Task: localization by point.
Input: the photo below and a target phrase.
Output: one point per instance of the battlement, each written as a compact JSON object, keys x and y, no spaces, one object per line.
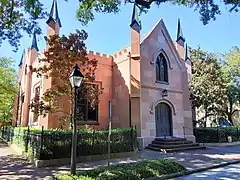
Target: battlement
{"x":121,"y":52}
{"x":98,"y":54}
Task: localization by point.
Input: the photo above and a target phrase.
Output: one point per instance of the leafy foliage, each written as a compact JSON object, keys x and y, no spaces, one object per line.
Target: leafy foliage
{"x":18,"y":17}
{"x":231,"y":67}
{"x":207,"y":9}
{"x":134,"y":171}
{"x":215,"y":84}
{"x":86,"y":8}
{"x":53,"y":144}
{"x":60,"y":57}
{"x":21,"y":16}
{"x":207,"y":83}
{"x":216,"y":135}
{"x":7,"y":89}
{"x":231,"y":70}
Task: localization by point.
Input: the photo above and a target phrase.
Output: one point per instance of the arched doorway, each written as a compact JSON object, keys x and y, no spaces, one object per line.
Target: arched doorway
{"x":163,"y":118}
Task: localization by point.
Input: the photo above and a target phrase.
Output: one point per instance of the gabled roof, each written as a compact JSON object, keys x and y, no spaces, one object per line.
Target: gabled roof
{"x":54,"y":14}
{"x":167,"y":38}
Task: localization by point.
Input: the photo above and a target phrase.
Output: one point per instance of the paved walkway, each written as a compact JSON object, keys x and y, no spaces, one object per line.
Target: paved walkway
{"x":190,"y":159}
{"x":230,"y":172}
{"x":14,"y":167}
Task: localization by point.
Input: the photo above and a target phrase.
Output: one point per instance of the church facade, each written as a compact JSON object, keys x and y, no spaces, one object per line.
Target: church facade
{"x":147,"y":84}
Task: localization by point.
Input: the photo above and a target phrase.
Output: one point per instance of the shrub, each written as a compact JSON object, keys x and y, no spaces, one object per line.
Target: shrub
{"x":216,"y":134}
{"x":132,"y":171}
{"x":53,"y":144}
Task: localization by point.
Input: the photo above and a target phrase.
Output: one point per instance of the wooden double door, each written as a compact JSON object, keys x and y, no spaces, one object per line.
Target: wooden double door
{"x":163,"y":118}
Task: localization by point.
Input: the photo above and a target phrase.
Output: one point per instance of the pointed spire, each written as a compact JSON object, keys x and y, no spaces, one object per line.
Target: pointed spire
{"x":187,"y":53}
{"x":34,"y":42}
{"x":135,"y":23}
{"x":21,"y":61}
{"x":179,"y":32}
{"x":54,"y":14}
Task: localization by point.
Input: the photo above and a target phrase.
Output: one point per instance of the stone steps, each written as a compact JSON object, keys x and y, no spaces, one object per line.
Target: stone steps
{"x":171,"y":142}
{"x":169,"y":145}
{"x":173,"y":146}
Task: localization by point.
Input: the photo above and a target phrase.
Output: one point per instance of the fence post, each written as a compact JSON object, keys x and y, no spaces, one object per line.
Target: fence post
{"x":27,"y":140}
{"x":9,"y":134}
{"x":132,"y":134}
{"x":93,"y":138}
{"x":109,"y":131}
{"x":135,"y":138}
{"x":3,"y":132}
{"x":18,"y":135}
{"x":41,"y":142}
{"x":237,"y":133}
{"x":217,"y":135}
{"x":184,"y":132}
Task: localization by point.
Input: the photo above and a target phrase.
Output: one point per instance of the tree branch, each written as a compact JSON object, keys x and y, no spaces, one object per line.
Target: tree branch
{"x":236,"y":110}
{"x":11,"y":14}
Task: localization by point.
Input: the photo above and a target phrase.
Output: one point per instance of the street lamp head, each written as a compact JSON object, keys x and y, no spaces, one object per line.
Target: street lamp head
{"x":164,"y":93}
{"x":76,"y":77}
{"x":144,"y":3}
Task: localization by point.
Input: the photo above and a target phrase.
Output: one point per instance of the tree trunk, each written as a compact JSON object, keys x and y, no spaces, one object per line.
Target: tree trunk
{"x":230,"y":112}
{"x":230,"y":119}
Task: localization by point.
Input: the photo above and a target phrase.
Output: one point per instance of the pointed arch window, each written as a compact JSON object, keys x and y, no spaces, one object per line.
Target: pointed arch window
{"x":161,"y":69}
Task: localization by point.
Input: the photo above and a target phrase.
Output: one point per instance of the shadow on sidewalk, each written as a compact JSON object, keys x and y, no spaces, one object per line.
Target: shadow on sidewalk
{"x":3,"y":144}
{"x":14,"y":167}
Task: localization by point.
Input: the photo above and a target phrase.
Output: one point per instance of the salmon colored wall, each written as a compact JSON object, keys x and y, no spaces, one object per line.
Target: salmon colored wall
{"x":49,"y":121}
{"x":135,"y":76}
{"x":121,"y":86}
{"x":180,"y":50}
{"x":135,"y":115}
{"x":104,"y":79}
{"x":135,"y":60}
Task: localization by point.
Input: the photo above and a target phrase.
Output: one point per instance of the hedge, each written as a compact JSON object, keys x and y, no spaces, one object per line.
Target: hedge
{"x":216,"y":134}
{"x":53,"y":144}
{"x":131,"y":171}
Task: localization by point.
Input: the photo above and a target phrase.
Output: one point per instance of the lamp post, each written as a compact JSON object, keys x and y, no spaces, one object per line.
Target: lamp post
{"x":75,"y":79}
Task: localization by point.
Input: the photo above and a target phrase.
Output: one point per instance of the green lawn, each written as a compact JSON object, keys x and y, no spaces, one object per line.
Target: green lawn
{"x":131,"y":171}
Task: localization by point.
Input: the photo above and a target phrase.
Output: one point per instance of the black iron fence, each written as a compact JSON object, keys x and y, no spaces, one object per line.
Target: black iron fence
{"x":52,"y":144}
{"x":217,"y":134}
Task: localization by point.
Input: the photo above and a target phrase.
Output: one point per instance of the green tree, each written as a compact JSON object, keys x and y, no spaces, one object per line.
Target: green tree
{"x":7,"y":89}
{"x":208,"y":86}
{"x":231,"y":72}
{"x":215,"y":84}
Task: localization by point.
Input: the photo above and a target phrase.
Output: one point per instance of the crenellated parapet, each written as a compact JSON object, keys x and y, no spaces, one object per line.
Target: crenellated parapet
{"x":121,"y":53}
{"x":101,"y":55}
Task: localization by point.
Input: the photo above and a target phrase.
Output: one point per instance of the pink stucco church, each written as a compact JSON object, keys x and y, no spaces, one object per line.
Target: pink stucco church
{"x":147,"y":84}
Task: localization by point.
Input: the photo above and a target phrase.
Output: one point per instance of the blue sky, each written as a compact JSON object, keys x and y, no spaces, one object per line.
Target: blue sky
{"x":111,"y":32}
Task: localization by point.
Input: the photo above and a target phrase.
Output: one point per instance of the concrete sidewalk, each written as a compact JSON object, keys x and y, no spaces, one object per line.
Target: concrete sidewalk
{"x":15,"y":167}
{"x":190,"y":159}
